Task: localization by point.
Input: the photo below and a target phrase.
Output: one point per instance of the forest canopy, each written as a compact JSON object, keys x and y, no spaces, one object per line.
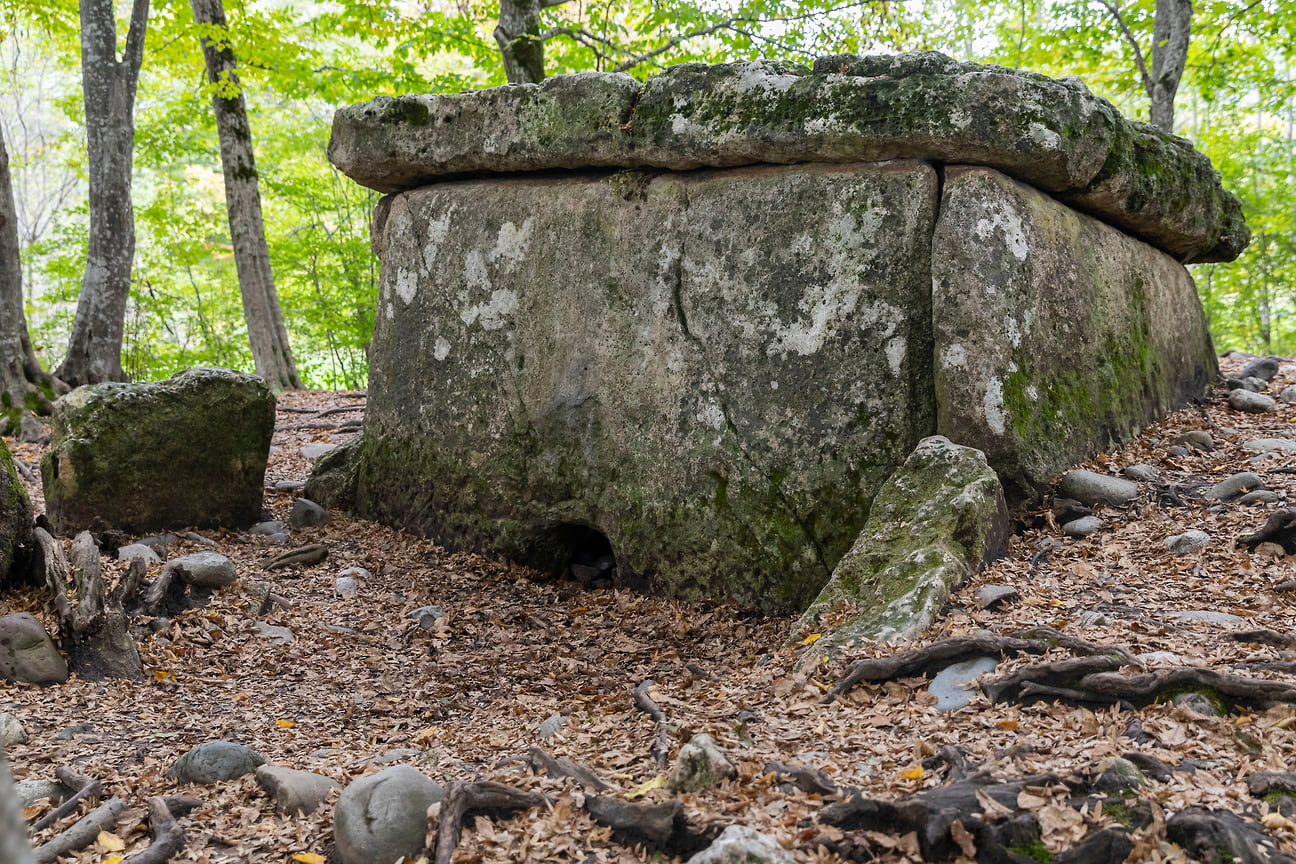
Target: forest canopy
{"x":1217,"y":73}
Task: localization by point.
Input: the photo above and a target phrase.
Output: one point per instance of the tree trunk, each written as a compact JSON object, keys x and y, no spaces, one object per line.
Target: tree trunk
{"x":266,"y":331}
{"x":1171,"y":30}
{"x":518,"y":37}
{"x":23,"y":383}
{"x":108,"y":84}
{"x":14,"y":847}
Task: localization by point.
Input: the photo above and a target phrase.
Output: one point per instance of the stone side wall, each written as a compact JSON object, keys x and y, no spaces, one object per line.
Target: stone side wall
{"x":717,"y":370}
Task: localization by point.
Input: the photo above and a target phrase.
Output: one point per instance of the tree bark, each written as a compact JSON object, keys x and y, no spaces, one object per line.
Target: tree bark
{"x":519,"y":40}
{"x":266,"y":331}
{"x":108,"y":85}
{"x":1171,"y":30}
{"x":23,"y":383}
{"x":14,"y":847}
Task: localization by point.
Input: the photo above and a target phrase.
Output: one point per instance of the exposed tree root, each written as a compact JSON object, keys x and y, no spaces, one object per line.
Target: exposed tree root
{"x":464,"y":798}
{"x":811,"y":781}
{"x":563,"y":767}
{"x":660,"y":826}
{"x":644,"y":702}
{"x":83,"y":789}
{"x":1111,"y":688}
{"x":306,"y":556}
{"x":1217,"y":836}
{"x":83,"y":833}
{"x":168,"y":836}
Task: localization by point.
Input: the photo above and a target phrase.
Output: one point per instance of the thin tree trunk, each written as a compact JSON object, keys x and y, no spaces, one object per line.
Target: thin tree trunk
{"x":519,"y":40}
{"x":1171,"y":30}
{"x":108,"y":84}
{"x":266,"y":331}
{"x":23,"y":383}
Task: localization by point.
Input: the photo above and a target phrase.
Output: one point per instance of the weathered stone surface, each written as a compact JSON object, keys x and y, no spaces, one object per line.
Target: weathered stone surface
{"x":1055,"y":333}
{"x":295,"y":791}
{"x":190,"y":450}
{"x":204,"y":569}
{"x":214,"y":761}
{"x":27,"y":654}
{"x":11,"y":731}
{"x":1082,"y":527}
{"x":15,"y":522}
{"x":948,"y":685}
{"x":722,"y":411}
{"x":1091,"y":488}
{"x":332,"y":482}
{"x":700,"y":765}
{"x":1236,"y":484}
{"x":307,"y":514}
{"x":1189,"y":541}
{"x":739,"y":844}
{"x":1250,"y":402}
{"x":383,"y":816}
{"x":935,"y":522}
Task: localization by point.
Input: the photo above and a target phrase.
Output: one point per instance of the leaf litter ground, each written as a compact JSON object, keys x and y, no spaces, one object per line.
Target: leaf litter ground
{"x":360,"y":686}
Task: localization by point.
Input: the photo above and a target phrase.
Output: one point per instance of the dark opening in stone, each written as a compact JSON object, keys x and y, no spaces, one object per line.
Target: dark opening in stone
{"x":587,"y":554}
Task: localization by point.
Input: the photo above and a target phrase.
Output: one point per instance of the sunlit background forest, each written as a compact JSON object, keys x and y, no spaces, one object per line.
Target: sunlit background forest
{"x":300,"y":60}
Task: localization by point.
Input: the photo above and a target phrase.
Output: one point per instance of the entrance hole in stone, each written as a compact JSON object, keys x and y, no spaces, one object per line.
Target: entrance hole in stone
{"x":587,"y":553}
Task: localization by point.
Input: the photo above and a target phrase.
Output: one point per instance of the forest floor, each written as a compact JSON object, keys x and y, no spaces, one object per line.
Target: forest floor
{"x":360,"y":685}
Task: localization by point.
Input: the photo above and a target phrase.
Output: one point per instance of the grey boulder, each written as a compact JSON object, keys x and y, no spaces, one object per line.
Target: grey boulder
{"x":1082,"y":527}
{"x":214,"y":761}
{"x":1270,"y":445}
{"x":948,"y":687}
{"x":700,"y":765}
{"x":1090,"y":488}
{"x":11,"y":731}
{"x":739,"y":844}
{"x":295,"y":791}
{"x":204,"y":570}
{"x":1230,"y":487}
{"x":132,"y":551}
{"x":27,"y":654}
{"x":382,"y":817}
{"x":1264,"y":368}
{"x":992,"y":596}
{"x":307,"y":514}
{"x":1141,"y":473}
{"x":1251,"y":403}
{"x":1189,"y":541}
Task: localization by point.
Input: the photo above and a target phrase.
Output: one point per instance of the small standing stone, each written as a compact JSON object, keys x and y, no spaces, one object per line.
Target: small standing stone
{"x":295,"y":791}
{"x":700,"y":765}
{"x":992,"y":596}
{"x":138,"y":550}
{"x":1252,"y":403}
{"x":267,"y":529}
{"x":1082,"y":527}
{"x":1197,"y":439}
{"x":1198,"y":703}
{"x":214,"y":761}
{"x":1182,"y":544}
{"x":1230,"y":487}
{"x":739,"y":844}
{"x":1141,"y":473}
{"x":307,"y":514}
{"x":1090,"y":488}
{"x":383,"y":817}
{"x":551,"y":726}
{"x":27,"y":654}
{"x":204,"y":569}
{"x":426,"y":616}
{"x":11,"y":731}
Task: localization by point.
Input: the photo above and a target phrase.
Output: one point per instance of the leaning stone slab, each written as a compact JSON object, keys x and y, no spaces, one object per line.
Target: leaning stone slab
{"x":938,"y":518}
{"x":701,"y":764}
{"x":1055,"y":333}
{"x":15,"y":521}
{"x":632,"y":364}
{"x":1050,"y":133}
{"x":190,"y":450}
{"x":27,"y":653}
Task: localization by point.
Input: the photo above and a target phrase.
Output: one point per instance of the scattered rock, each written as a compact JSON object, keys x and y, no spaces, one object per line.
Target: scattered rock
{"x":333,"y":480}
{"x":267,"y":529}
{"x":289,"y":485}
{"x":214,"y":761}
{"x":992,"y":596}
{"x":1082,"y":527}
{"x":31,"y":792}
{"x":1264,"y":368}
{"x":11,"y":731}
{"x":700,"y":765}
{"x":1268,"y":445}
{"x":1230,"y":487}
{"x":138,"y":550}
{"x":383,"y":817}
{"x":1090,"y":488}
{"x":1260,"y":496}
{"x":1198,"y":703}
{"x":277,"y":635}
{"x":27,"y":654}
{"x":1197,"y":439}
{"x":1208,"y":616}
{"x":1255,"y":385}
{"x":307,"y":514}
{"x":318,"y":449}
{"x":1141,"y":473}
{"x":948,"y":687}
{"x":129,"y":455}
{"x":204,"y":570}
{"x":159,"y":541}
{"x":739,"y":844}
{"x":345,"y":587}
{"x":1288,"y":394}
{"x":1119,"y":776}
{"x":426,"y":616}
{"x":1252,"y":403}
{"x":1178,"y":451}
{"x":31,"y":430}
{"x":293,"y":791}
{"x":1182,"y":544}
{"x":72,"y":732}
{"x":551,"y":726}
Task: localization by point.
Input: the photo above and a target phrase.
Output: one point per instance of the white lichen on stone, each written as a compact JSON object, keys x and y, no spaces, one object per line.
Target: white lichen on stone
{"x":953,"y":356}
{"x":711,"y":414}
{"x":895,"y":352}
{"x":511,"y":244}
{"x":435,"y":235}
{"x":441,"y":350}
{"x":998,"y":215}
{"x":994,"y":405}
{"x":492,"y":314}
{"x":406,"y":285}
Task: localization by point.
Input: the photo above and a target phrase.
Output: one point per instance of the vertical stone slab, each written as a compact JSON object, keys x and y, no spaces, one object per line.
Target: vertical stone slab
{"x":1056,"y":334}
{"x":715,"y":370}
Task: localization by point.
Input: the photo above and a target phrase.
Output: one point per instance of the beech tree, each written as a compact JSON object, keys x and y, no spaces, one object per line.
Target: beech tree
{"x":1171,"y":32}
{"x":23,"y":383}
{"x":108,"y":84}
{"x":271,"y":352}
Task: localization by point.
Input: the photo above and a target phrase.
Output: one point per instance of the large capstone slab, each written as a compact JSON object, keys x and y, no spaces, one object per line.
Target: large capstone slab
{"x":1050,"y":133}
{"x":616,"y":355}
{"x":190,"y":450}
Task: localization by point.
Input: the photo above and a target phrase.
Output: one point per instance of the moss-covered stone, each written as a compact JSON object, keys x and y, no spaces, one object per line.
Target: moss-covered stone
{"x":937,"y":519}
{"x":190,"y":450}
{"x":1055,"y":333}
{"x":15,"y":522}
{"x":554,"y":360}
{"x":332,"y":483}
